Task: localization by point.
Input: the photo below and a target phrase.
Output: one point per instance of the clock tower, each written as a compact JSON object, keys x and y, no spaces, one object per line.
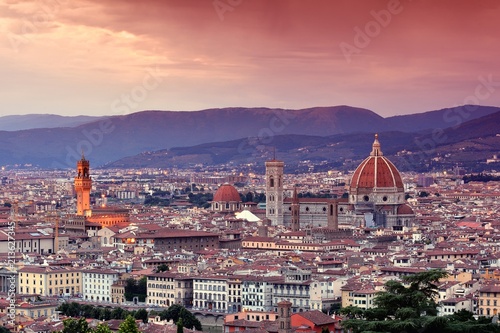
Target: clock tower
{"x":83,"y":185}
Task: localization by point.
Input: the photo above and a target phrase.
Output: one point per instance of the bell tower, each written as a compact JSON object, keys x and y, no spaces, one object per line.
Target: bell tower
{"x":295,"y":211}
{"x":274,"y":191}
{"x":83,"y":184}
{"x":284,"y":317}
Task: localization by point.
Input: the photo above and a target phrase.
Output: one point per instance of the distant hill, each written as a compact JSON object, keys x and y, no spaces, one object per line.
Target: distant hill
{"x":443,"y":118}
{"x":30,"y":121}
{"x":110,"y":139}
{"x":468,"y":144}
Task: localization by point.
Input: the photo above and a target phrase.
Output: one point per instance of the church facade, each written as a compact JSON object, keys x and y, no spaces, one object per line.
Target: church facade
{"x":376,"y":199}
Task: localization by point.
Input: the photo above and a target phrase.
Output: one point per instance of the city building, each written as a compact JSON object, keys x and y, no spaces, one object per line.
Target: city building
{"x":97,"y":284}
{"x":293,"y":287}
{"x":489,"y":300}
{"x":210,"y":293}
{"x":160,"y":289}
{"x":257,"y":293}
{"x":50,"y":281}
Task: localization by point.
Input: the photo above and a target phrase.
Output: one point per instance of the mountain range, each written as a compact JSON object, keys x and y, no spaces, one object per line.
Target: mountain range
{"x":30,"y":121}
{"x":240,"y":134}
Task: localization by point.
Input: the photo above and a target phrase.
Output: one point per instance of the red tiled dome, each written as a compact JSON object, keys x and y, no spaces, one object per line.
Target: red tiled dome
{"x":227,"y":193}
{"x":405,"y":210}
{"x":376,"y":171}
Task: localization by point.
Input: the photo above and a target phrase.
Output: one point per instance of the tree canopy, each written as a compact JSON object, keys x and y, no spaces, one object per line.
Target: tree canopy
{"x":176,"y":312}
{"x":128,"y":326}
{"x":76,"y":326}
{"x":408,"y":306}
{"x":135,"y":288}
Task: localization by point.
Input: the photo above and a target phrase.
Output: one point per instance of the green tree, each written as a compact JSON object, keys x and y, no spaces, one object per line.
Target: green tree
{"x":180,"y":326}
{"x":351,"y":312}
{"x":249,"y":197}
{"x":4,"y":330}
{"x":408,"y":306}
{"x":96,"y":312}
{"x":462,"y":315}
{"x":86,"y":310}
{"x":105,"y":314}
{"x":401,"y":305}
{"x":141,"y":314}
{"x":102,"y":328}
{"x":119,"y":313}
{"x":162,"y":268}
{"x":128,"y":326}
{"x":176,"y":311}
{"x":76,"y":326}
{"x":135,"y":288}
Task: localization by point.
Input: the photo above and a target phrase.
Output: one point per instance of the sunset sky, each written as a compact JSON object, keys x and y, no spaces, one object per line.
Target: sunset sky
{"x":112,"y":57}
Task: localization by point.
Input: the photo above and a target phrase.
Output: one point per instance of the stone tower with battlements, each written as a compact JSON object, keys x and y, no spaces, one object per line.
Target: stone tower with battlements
{"x":83,"y":185}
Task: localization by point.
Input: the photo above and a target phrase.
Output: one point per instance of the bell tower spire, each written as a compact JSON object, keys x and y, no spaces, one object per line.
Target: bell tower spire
{"x":295,"y":207}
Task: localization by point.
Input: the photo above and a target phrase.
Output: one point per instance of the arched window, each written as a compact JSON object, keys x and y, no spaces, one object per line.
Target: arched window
{"x":271,"y":181}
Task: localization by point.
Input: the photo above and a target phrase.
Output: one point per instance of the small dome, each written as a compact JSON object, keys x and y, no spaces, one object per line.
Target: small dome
{"x":376,"y":171}
{"x":405,"y":210}
{"x":227,"y":193}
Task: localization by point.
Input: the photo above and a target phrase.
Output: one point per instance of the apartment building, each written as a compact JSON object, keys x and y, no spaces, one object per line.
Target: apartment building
{"x":97,"y":284}
{"x":50,"y":281}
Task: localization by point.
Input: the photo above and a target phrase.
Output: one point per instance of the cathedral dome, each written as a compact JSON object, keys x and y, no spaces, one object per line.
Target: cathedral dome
{"x":226,"y":193}
{"x":376,"y":172}
{"x":405,"y":210}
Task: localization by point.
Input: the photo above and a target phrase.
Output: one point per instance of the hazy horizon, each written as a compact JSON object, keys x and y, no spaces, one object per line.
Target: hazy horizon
{"x":394,"y":57}
{"x":230,"y":107}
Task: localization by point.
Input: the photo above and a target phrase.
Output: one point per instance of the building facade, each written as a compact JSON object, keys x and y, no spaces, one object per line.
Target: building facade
{"x":50,"y":281}
{"x":97,"y":284}
{"x":210,"y":293}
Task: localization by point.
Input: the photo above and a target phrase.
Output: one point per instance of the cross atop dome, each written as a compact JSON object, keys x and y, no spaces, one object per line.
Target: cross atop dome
{"x":376,"y":147}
